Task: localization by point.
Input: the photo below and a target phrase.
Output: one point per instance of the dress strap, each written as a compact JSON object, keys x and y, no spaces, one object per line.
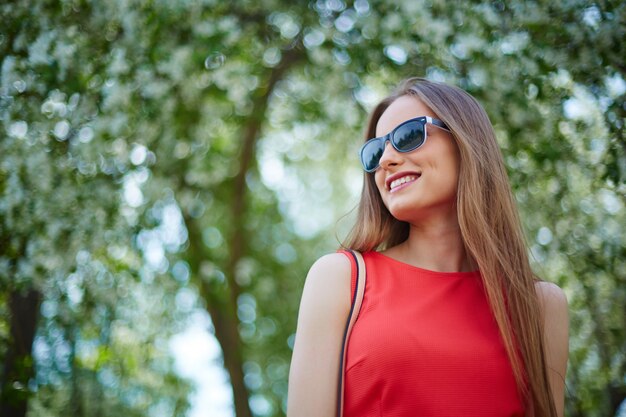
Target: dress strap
{"x":353,"y":271}
{"x":357,"y":288}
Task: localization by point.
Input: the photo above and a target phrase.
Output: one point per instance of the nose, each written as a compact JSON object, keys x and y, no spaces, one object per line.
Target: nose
{"x":390,"y":157}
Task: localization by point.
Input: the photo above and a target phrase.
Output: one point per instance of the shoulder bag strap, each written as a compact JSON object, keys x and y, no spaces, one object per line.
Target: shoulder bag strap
{"x":357,"y":299}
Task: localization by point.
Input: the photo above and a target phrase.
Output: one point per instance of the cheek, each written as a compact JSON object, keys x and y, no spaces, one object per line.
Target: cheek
{"x":447,"y":178}
{"x":451,"y":184}
{"x":380,"y":187}
{"x":449,"y":165}
{"x":380,"y":182}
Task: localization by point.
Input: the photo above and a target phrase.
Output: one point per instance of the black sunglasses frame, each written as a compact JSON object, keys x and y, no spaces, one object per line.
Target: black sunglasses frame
{"x":423,"y":120}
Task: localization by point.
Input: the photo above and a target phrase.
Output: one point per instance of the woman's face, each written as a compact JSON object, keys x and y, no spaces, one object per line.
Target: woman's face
{"x":431,"y":172}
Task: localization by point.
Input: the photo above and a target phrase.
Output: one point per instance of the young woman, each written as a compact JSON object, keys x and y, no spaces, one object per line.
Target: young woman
{"x":453,"y":320}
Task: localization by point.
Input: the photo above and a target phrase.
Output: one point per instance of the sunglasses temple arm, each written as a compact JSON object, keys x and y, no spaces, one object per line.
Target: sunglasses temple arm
{"x":437,"y":123}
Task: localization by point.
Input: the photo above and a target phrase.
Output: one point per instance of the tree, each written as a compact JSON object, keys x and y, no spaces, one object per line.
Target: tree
{"x":68,"y":265}
{"x":153,"y":149}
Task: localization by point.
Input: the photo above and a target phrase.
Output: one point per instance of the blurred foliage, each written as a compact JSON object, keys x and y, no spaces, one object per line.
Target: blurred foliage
{"x":150,"y":150}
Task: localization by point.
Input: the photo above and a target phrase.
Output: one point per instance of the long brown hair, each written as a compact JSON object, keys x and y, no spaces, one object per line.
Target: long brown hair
{"x":490,"y":229}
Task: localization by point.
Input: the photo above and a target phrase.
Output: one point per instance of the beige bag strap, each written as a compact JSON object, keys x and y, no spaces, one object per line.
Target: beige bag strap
{"x":357,"y":299}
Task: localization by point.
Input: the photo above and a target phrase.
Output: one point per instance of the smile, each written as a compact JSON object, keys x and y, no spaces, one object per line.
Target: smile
{"x":397,"y":184}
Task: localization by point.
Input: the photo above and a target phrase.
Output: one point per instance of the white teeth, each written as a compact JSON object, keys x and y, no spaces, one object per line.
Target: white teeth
{"x":401,"y":181}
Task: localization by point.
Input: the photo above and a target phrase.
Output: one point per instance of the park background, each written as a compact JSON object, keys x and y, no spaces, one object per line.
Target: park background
{"x":169,"y":170}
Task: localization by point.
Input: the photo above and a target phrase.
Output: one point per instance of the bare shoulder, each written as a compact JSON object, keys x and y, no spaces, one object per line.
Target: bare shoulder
{"x":551,"y":297}
{"x":333,"y":266}
{"x":321,"y":322}
{"x":555,"y":316}
{"x":554,"y":310}
{"x":328,"y":283}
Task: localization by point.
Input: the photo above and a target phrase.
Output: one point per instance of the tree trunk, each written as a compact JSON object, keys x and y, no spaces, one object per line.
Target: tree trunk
{"x":224,"y":318}
{"x":221,"y":303}
{"x":227,"y":333}
{"x":617,"y":395}
{"x":18,"y":362}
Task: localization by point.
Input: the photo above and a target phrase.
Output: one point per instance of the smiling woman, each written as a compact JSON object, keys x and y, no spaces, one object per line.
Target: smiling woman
{"x":453,"y":320}
{"x":434,"y":165}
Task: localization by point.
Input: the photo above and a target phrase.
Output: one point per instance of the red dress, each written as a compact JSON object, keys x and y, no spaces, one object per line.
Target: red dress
{"x":426,"y":344}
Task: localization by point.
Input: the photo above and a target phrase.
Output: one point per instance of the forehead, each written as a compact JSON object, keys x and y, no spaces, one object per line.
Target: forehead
{"x":401,"y":109}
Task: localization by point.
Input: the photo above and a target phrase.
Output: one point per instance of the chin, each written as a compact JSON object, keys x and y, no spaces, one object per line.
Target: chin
{"x":405,"y":214}
{"x":415,"y":213}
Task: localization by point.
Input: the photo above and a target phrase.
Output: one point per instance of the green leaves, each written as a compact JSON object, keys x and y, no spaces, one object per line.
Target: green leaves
{"x":163,"y":148}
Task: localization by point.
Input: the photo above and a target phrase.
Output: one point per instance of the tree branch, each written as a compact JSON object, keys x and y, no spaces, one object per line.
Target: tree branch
{"x":250,"y":134}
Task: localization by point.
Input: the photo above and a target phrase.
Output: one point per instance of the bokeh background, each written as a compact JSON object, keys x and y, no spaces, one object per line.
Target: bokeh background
{"x":170,"y":169}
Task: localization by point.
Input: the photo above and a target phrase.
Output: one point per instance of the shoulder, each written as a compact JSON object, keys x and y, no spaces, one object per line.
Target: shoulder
{"x":332,"y":270}
{"x":551,"y":297}
{"x":554,"y":309}
{"x":321,"y":323}
{"x":555,"y":319}
{"x":333,"y":266}
{"x":327,"y":284}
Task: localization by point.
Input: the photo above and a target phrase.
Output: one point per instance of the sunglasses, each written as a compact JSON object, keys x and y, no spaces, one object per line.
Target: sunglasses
{"x":406,"y":137}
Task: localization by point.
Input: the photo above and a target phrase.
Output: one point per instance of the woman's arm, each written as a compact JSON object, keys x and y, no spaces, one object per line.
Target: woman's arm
{"x":556,"y":338}
{"x":324,"y":309}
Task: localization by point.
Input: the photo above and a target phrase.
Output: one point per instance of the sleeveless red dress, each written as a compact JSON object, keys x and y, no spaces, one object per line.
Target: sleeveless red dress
{"x":426,"y":344}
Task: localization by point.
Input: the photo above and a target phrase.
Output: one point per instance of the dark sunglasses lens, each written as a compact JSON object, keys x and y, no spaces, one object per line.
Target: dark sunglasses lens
{"x":409,"y":136}
{"x":371,"y":154}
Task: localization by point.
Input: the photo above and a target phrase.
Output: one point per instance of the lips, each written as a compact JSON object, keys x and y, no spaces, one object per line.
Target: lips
{"x":402,"y":177}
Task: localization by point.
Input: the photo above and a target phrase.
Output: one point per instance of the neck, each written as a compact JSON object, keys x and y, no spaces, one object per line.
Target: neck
{"x":436,"y":244}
